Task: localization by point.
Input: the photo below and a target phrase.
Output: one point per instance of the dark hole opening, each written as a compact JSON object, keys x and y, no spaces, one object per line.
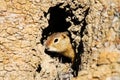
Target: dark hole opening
{"x":38,"y":68}
{"x":58,"y":23}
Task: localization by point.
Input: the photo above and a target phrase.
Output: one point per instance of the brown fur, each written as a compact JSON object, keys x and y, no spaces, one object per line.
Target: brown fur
{"x":62,"y":44}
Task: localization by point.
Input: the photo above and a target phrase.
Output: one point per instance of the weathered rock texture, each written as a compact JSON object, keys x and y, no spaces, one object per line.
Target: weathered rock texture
{"x":95,"y":32}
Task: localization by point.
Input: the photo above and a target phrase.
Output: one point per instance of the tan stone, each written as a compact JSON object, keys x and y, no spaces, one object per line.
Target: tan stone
{"x":107,"y":57}
{"x":104,"y":70}
{"x":17,"y":43}
{"x":95,"y":79}
{"x":3,"y":40}
{"x":6,"y":59}
{"x":11,"y":75}
{"x":11,"y":66}
{"x":17,"y":59}
{"x":25,"y":43}
{"x":22,"y":1}
{"x":7,"y":0}
{"x":103,"y":58}
{"x":113,"y":57}
{"x":109,"y":36}
{"x":1,"y":78}
{"x":17,"y":5}
{"x":97,"y":74}
{"x":2,"y":73}
{"x":11,"y":30}
{"x":82,"y":78}
{"x":3,"y":33}
{"x":11,"y":38}
{"x":1,"y":66}
{"x":115,"y":68}
{"x":27,"y":6}
{"x":113,"y":78}
{"x":28,"y":30}
{"x":3,"y":5}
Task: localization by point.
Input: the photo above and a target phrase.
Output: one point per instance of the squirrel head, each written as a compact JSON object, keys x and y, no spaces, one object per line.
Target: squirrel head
{"x":57,"y":42}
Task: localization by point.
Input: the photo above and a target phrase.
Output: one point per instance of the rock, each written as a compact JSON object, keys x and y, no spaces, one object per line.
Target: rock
{"x":113,"y":78}
{"x":11,"y":30}
{"x":94,"y":26}
{"x":107,"y":57}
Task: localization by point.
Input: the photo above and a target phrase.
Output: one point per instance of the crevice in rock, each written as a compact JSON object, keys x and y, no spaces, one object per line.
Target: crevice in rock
{"x":39,"y":68}
{"x":80,"y":48}
{"x":57,"y":23}
{"x":84,"y":23}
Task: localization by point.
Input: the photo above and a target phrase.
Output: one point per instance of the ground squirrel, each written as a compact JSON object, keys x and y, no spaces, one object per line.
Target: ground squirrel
{"x":60,"y":42}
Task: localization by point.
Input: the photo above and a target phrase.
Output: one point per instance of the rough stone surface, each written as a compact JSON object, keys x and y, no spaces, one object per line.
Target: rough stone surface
{"x":94,"y":23}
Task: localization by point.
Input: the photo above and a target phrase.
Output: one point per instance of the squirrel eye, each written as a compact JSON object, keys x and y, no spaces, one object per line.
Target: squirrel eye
{"x":56,"y":40}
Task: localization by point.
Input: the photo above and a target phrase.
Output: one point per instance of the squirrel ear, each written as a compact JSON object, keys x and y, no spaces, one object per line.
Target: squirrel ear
{"x":66,"y":32}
